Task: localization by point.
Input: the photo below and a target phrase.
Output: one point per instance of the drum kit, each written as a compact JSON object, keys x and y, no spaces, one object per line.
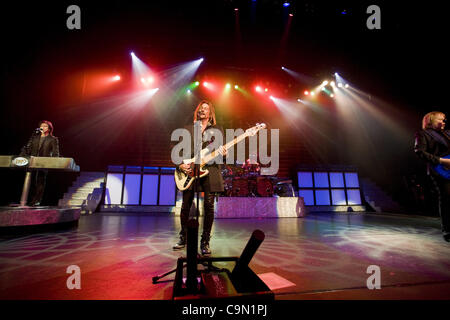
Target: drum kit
{"x":246,"y":181}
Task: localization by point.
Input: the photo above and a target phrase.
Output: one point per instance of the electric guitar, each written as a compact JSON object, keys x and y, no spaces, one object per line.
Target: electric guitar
{"x":443,"y":171}
{"x":184,"y":180}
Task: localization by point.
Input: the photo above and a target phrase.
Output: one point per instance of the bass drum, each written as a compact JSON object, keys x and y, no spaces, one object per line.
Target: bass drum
{"x":239,"y":188}
{"x":264,"y":187}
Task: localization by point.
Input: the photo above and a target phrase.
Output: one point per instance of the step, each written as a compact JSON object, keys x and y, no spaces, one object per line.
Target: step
{"x":84,"y":187}
{"x":72,"y":202}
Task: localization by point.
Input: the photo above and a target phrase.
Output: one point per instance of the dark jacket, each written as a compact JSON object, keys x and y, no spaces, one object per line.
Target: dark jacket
{"x":49,"y":147}
{"x":430,"y":145}
{"x":213,"y":181}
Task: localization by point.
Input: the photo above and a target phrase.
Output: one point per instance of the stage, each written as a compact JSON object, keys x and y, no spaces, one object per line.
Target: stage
{"x":320,"y":256}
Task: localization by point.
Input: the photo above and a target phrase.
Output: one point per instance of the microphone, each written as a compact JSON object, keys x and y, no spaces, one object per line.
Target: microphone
{"x":38,"y":130}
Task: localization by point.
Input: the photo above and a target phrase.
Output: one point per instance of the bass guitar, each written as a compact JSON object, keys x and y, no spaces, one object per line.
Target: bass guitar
{"x":442,"y":170}
{"x":184,"y":180}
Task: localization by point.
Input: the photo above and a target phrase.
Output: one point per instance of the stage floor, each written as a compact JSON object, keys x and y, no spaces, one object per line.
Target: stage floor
{"x":321,"y":256}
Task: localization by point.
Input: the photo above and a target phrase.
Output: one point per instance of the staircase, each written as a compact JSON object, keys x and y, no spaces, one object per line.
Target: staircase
{"x":85,"y":192}
{"x":377,"y":198}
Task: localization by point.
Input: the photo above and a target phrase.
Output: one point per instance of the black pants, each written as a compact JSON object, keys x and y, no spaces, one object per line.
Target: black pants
{"x":188,"y":198}
{"x":38,"y":180}
{"x":442,"y":194}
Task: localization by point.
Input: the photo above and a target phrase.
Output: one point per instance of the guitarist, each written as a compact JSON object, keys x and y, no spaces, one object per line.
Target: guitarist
{"x":432,"y":144}
{"x":210,"y":184}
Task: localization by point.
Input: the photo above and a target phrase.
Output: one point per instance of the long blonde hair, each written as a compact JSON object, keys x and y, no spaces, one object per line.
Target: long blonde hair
{"x":428,"y":119}
{"x":212,"y":112}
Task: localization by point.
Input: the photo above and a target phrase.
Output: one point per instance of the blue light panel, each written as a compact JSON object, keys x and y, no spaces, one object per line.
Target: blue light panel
{"x":321,"y":179}
{"x":305,"y":179}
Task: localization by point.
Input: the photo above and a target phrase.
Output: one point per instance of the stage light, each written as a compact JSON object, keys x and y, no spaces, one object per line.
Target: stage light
{"x":325,"y":83}
{"x":143,"y":80}
{"x":312,"y":93}
{"x":299,"y":100}
{"x":340,"y":85}
{"x":336,"y":74}
{"x":266,"y":89}
{"x":188,"y":91}
{"x":271,"y":97}
{"x":150,"y":79}
{"x":236,"y":86}
{"x":197,"y":83}
{"x":236,"y":9}
{"x":286,"y":4}
{"x":228,"y":86}
{"x":291,"y":15}
{"x":332,"y":95}
{"x":116,"y":78}
{"x":258,"y":89}
{"x":282,"y":68}
{"x":346,"y":85}
{"x":332,"y":83}
{"x":205,"y":84}
{"x":306,"y":92}
{"x":132,"y":54}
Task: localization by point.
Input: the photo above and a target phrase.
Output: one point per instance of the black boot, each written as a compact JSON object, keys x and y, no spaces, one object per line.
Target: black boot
{"x":204,"y":245}
{"x":181,"y":243}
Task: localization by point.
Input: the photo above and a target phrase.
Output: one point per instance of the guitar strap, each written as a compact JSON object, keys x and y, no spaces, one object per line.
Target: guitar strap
{"x":443,"y":138}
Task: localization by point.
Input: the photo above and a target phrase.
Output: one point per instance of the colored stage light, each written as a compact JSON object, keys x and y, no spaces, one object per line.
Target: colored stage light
{"x":143,"y":80}
{"x":340,"y":85}
{"x":266,"y":89}
{"x":197,"y":83}
{"x":132,"y":54}
{"x":346,"y":85}
{"x":236,"y":86}
{"x":286,"y":4}
{"x":291,"y":15}
{"x":271,"y":97}
{"x":306,"y":92}
{"x":325,"y":83}
{"x":332,"y":95}
{"x":150,"y":79}
{"x":312,"y":93}
{"x":188,"y":91}
{"x":336,"y":74}
{"x":258,"y":89}
{"x":282,"y":68}
{"x":227,"y":86}
{"x":332,"y":83}
{"x":205,"y":84}
{"x":116,"y":78}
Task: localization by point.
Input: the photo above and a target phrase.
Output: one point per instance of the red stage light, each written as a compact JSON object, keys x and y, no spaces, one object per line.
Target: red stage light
{"x":258,"y":89}
{"x":116,"y":78}
{"x":306,"y":92}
